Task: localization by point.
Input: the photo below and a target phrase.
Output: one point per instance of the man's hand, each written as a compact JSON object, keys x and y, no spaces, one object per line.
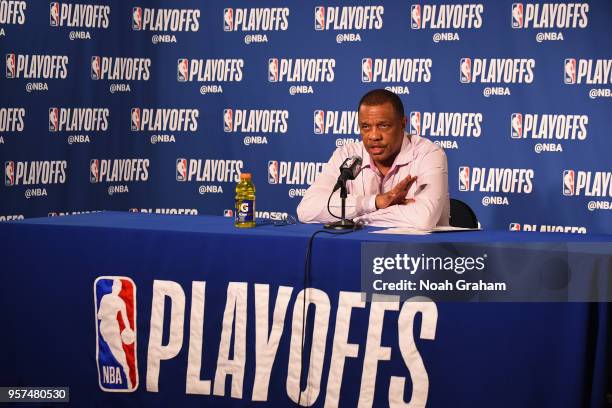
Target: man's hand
{"x":397,"y":195}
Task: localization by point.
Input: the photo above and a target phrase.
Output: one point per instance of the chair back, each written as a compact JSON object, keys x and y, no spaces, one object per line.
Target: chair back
{"x":461,"y":215}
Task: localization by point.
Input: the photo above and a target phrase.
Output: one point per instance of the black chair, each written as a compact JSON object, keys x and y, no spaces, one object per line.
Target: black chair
{"x":461,"y":215}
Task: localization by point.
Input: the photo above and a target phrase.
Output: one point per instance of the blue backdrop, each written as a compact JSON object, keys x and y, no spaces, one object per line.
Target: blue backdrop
{"x":123,"y":105}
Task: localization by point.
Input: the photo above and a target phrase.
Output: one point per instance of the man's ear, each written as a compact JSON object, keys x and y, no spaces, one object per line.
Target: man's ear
{"x":404,"y":122}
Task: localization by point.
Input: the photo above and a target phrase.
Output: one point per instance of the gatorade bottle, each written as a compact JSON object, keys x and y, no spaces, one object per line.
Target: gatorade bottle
{"x":245,"y":202}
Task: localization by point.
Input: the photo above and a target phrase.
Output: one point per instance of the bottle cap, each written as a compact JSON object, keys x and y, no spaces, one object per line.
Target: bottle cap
{"x":245,"y":176}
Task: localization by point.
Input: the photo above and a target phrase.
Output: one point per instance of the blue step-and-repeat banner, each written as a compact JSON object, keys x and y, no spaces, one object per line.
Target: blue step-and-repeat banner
{"x":158,"y":106}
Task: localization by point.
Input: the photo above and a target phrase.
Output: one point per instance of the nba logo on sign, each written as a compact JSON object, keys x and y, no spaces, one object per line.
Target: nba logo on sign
{"x":228,"y":119}
{"x":517,"y":15}
{"x":415,"y":16}
{"x":228,"y":19}
{"x":465,"y":69}
{"x":133,"y":210}
{"x":115,"y":301}
{"x":515,"y":227}
{"x":135,"y":119}
{"x":9,"y":173}
{"x":181,"y":70}
{"x":10,"y":65}
{"x":94,"y":171}
{"x":319,"y":18}
{"x":464,"y":178}
{"x":516,"y":126}
{"x":53,"y":120}
{"x":54,"y":14}
{"x":415,"y":123}
{"x":568,"y":182}
{"x":181,"y":169}
{"x":319,"y":122}
{"x":137,"y":18}
{"x":95,"y":68}
{"x":569,"y":69}
{"x":366,"y":70}
{"x":273,"y":172}
{"x":273,"y":70}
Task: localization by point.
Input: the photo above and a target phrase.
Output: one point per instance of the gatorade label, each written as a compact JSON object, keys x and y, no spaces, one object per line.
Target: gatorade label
{"x":245,"y":211}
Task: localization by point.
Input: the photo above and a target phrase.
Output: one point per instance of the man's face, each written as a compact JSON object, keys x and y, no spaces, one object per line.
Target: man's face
{"x":382,"y":131}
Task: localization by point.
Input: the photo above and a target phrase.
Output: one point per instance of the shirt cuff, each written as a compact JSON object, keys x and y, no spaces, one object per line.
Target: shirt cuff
{"x":369,"y":204}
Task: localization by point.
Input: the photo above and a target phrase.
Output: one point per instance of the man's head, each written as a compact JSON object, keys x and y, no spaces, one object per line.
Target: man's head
{"x":382,"y":123}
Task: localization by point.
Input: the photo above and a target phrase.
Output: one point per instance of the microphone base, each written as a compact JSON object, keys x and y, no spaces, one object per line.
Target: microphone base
{"x":343,"y":225}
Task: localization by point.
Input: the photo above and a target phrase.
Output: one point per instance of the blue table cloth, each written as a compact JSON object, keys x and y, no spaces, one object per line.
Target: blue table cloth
{"x":473,"y":354}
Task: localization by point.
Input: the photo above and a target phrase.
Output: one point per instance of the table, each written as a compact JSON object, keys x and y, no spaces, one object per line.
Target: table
{"x":217,"y":318}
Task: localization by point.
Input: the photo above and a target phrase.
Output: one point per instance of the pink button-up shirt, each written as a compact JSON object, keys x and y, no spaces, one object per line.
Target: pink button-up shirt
{"x":418,"y":157}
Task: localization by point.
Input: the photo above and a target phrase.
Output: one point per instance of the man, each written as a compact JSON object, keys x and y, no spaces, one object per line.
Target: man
{"x":403,"y":181}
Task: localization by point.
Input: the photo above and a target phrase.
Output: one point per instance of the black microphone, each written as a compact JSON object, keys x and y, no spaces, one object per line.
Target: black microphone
{"x":349,"y":169}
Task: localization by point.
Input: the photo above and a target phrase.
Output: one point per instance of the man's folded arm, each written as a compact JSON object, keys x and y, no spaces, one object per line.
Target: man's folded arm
{"x":430,"y":199}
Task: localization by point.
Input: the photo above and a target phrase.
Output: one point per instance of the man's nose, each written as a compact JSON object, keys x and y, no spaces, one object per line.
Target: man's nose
{"x":375,"y":134}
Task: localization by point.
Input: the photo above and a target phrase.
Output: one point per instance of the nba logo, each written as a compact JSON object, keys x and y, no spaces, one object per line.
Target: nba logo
{"x":228,"y":212}
{"x":464,"y":178}
{"x":10,"y":65}
{"x":94,"y":171}
{"x":415,"y":123}
{"x":273,"y":172}
{"x":319,"y":18}
{"x":52,"y":214}
{"x":135,"y":119}
{"x":517,"y":15}
{"x":465,"y":70}
{"x":95,"y":68}
{"x":319,"y":122}
{"x":228,"y":119}
{"x":53,"y":119}
{"x":568,"y":182}
{"x":9,"y":173}
{"x":133,"y":210}
{"x":181,"y":169}
{"x":228,"y":19}
{"x":415,"y":16}
{"x":514,"y":226}
{"x":366,"y":70}
{"x":569,"y":76}
{"x":54,"y":18}
{"x":137,"y":18}
{"x":273,"y":70}
{"x":181,"y":70}
{"x":115,"y":298}
{"x":516,"y":126}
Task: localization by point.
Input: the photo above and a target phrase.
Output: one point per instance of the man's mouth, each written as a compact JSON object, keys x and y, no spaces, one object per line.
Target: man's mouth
{"x":377,"y":149}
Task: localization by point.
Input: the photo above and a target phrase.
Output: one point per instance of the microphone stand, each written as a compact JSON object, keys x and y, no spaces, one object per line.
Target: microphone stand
{"x":343,"y":224}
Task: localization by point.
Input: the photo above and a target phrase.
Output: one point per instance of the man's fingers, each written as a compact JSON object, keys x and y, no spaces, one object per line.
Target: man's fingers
{"x":406,"y":182}
{"x":404,"y":185}
{"x":411,"y":179}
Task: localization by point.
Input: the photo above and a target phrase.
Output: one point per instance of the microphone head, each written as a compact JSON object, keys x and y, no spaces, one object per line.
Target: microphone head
{"x":358,"y":160}
{"x":351,"y":167}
